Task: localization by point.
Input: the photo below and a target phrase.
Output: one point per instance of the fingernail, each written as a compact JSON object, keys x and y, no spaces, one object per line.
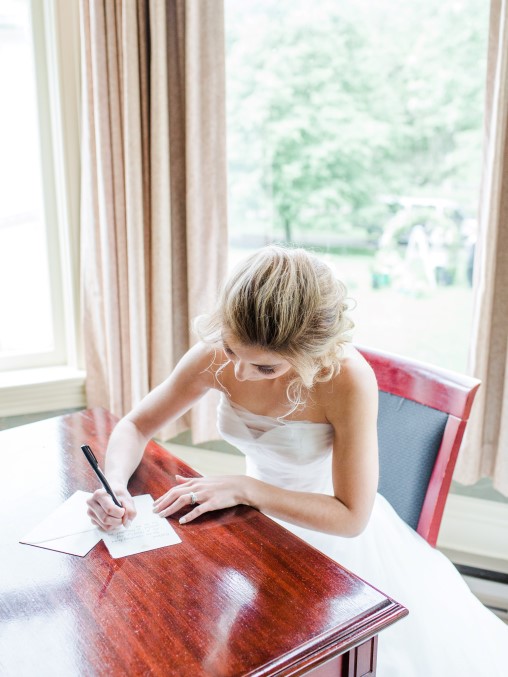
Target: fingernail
{"x":127,"y":524}
{"x":182,"y":520}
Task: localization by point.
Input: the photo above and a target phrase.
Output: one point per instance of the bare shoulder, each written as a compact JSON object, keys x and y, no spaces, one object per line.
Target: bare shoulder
{"x":355,"y":371}
{"x":201,"y":363}
{"x":354,"y":386}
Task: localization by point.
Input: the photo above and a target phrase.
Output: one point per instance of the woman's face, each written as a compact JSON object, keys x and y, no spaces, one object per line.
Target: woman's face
{"x":252,"y":363}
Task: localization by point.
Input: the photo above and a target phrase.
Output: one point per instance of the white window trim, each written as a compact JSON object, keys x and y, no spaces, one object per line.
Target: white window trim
{"x":33,"y":391}
{"x":62,"y":30}
{"x":57,"y":48}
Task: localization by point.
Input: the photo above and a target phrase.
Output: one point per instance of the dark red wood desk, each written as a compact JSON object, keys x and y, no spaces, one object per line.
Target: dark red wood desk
{"x":239,"y":596}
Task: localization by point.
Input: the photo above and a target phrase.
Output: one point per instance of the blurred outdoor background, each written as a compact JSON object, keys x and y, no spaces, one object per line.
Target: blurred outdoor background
{"x":355,"y":129}
{"x":24,"y":264}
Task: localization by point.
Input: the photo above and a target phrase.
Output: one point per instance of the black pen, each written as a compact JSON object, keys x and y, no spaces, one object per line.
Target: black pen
{"x":95,"y":465}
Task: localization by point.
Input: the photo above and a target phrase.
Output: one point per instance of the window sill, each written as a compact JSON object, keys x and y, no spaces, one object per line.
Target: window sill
{"x":39,"y":390}
{"x":473,"y":532}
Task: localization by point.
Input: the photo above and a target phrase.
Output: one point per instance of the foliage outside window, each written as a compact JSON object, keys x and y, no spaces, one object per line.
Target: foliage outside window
{"x":355,"y":129}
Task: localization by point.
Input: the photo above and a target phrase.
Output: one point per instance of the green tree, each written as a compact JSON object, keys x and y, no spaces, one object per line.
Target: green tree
{"x":318,"y":165}
{"x":333,"y":105}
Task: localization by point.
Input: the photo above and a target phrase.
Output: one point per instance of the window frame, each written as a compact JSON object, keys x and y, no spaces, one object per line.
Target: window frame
{"x":55,"y":49}
{"x":24,"y":390}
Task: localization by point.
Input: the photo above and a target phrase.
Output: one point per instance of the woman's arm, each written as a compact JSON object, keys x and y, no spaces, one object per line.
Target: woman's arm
{"x":189,"y":381}
{"x":350,"y":404}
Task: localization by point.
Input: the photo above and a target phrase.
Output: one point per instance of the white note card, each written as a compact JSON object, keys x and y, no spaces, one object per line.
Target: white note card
{"x":67,"y":529}
{"x":147,"y":532}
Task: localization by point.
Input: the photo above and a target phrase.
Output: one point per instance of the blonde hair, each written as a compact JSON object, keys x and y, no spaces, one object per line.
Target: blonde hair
{"x":287,"y":301}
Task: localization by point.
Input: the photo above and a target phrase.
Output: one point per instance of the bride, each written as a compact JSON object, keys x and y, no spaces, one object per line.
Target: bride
{"x":301,"y":403}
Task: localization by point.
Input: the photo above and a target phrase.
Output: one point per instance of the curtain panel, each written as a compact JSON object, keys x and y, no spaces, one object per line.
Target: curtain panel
{"x":154,"y":235}
{"x":485,"y":448}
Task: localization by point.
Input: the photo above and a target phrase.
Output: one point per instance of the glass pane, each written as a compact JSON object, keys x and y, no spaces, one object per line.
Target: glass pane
{"x":355,"y":129}
{"x":26,"y":324}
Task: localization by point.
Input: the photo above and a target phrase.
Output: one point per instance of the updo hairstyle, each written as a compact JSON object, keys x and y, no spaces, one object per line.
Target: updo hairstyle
{"x":289,"y":302}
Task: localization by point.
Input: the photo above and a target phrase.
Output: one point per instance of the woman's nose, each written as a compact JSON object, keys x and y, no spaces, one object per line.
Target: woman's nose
{"x":240,"y":371}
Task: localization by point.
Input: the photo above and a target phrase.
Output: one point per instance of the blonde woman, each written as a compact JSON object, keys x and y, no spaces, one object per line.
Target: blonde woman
{"x":301,"y":403}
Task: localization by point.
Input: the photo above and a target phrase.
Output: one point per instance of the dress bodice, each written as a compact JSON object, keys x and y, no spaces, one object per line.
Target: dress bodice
{"x":292,"y":454}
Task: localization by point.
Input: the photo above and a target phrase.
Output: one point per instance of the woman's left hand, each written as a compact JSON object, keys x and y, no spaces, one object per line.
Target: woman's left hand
{"x":206,"y":493}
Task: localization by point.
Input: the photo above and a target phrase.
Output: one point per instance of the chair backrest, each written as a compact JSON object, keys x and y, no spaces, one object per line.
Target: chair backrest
{"x":423,"y":411}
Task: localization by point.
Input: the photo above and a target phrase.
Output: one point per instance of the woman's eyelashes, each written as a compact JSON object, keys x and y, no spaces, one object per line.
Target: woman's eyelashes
{"x":262,"y":369}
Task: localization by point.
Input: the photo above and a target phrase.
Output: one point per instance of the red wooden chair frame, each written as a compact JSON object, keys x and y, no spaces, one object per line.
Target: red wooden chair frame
{"x":447,"y":391}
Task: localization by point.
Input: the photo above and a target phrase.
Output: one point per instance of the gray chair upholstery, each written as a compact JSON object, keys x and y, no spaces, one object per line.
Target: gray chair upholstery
{"x":409,"y":436}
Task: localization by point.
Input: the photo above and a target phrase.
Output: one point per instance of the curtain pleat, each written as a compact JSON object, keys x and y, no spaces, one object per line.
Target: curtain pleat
{"x":154,"y":239}
{"x":485,"y":448}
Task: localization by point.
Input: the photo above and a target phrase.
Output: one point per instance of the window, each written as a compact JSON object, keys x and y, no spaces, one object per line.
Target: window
{"x":39,"y":207}
{"x":32,"y":320}
{"x":355,"y":129}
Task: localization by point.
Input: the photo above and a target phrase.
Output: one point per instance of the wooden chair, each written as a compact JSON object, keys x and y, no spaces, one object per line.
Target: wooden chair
{"x":423,"y":411}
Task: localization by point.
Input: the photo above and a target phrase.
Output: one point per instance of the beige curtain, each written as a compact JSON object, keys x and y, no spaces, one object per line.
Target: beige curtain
{"x":154,"y":236}
{"x":485,"y":450}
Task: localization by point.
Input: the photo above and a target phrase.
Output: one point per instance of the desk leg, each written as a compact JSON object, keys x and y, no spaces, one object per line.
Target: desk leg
{"x":359,"y":662}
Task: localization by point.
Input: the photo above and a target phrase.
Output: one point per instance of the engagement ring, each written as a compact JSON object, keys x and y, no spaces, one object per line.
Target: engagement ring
{"x":193,"y":498}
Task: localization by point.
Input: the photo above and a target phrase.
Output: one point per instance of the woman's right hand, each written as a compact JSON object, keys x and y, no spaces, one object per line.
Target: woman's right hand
{"x":105,"y":514}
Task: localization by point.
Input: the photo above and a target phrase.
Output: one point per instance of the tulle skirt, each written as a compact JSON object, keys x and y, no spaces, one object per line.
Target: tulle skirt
{"x":448,"y":632}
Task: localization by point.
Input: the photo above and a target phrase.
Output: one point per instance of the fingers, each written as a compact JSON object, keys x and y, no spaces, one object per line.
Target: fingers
{"x":202,"y":494}
{"x":198,"y":510}
{"x":102,"y":518}
{"x":202,"y":503}
{"x":181,"y":479}
{"x":100,"y":524}
{"x":105,"y":514}
{"x":130,"y":509}
{"x":188,"y":492}
{"x":178,"y":498}
{"x":185,"y":485}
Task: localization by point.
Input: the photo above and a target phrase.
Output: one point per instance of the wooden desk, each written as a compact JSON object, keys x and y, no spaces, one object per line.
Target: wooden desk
{"x":239,"y":596}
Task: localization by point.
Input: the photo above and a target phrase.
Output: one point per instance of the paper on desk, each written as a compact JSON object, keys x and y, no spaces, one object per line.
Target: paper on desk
{"x":147,"y":532}
{"x":68,"y":529}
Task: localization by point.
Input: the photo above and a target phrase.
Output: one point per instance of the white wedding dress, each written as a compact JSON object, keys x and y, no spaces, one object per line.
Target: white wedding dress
{"x":448,"y":632}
